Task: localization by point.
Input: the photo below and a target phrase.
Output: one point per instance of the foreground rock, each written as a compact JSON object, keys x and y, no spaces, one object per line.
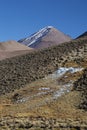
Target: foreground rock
{"x":41,"y":123}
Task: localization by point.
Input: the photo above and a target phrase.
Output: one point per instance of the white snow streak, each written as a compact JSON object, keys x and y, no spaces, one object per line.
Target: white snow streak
{"x":62,"y":70}
{"x":35,"y":37}
{"x":44,"y":88}
{"x":66,"y":88}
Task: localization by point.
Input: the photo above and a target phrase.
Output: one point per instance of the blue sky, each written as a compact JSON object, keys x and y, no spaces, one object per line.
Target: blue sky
{"x":21,"y":18}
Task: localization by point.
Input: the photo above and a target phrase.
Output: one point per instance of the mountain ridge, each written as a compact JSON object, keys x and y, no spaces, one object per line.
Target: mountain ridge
{"x":12,"y":48}
{"x":45,"y":37}
{"x":82,"y":35}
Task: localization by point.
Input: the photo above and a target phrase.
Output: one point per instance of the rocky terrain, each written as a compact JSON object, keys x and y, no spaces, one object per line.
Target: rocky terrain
{"x":41,"y":123}
{"x":45,"y":89}
{"x":18,"y":71}
{"x":81,"y":85}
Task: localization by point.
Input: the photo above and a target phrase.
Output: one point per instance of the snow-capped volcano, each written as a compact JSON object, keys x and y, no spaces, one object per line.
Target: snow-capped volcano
{"x":36,"y":36}
{"x":44,"y":38}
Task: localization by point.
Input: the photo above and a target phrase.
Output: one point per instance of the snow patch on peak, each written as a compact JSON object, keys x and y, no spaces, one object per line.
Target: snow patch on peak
{"x":50,"y":27}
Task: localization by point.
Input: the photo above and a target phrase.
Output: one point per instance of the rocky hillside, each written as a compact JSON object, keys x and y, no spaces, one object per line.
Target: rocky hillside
{"x":56,"y":102}
{"x":17,"y":72}
{"x":81,"y":85}
{"x":40,"y":123}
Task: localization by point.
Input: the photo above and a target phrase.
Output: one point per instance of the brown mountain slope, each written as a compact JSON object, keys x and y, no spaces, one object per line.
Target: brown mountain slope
{"x":54,"y":37}
{"x":23,"y":69}
{"x":44,"y":104}
{"x":11,"y":49}
{"x":45,"y":37}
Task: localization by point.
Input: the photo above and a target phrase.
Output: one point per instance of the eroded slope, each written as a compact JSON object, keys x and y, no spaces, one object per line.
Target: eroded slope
{"x":47,"y":99}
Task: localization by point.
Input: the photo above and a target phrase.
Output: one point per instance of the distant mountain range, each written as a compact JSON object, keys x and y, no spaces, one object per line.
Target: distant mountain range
{"x":45,"y":37}
{"x":12,"y":48}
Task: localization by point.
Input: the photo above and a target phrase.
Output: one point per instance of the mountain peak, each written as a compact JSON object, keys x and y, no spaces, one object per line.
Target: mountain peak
{"x":36,"y":36}
{"x":49,"y":27}
{"x":45,"y":37}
